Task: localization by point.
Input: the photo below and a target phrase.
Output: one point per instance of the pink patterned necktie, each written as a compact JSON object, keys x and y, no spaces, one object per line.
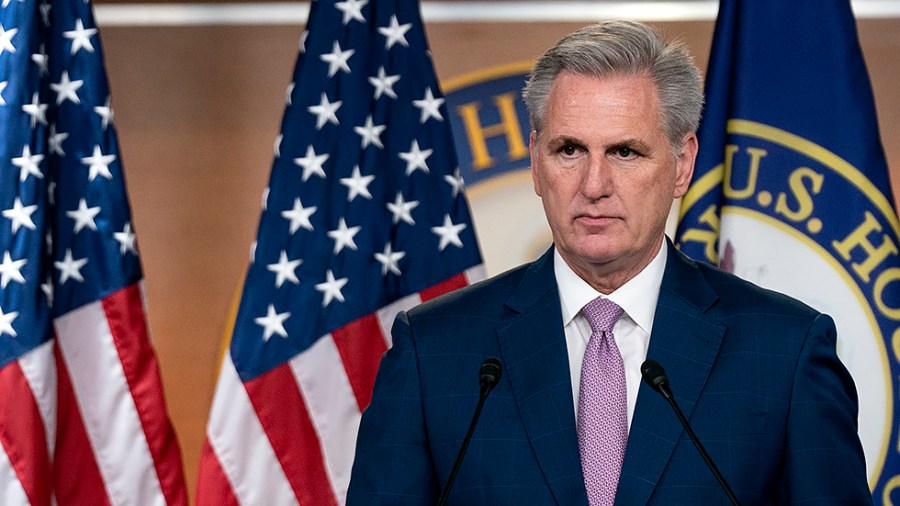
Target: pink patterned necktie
{"x":602,"y":405}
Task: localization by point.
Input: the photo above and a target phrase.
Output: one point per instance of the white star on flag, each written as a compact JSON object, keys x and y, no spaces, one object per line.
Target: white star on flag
{"x":415,"y":158}
{"x":265,"y":198}
{"x":352,"y":9}
{"x":47,"y":288}
{"x":42,"y":60}
{"x":28,"y":164}
{"x":388,"y":260}
{"x":84,"y":216}
{"x":10,"y":270}
{"x":429,"y":106}
{"x":3,"y":85}
{"x":45,"y":13}
{"x":289,"y":94}
{"x":66,"y":89}
{"x":81,"y":37}
{"x":402,"y":210}
{"x":325,"y":111}
{"x":98,"y":164}
{"x":20,"y":215}
{"x":302,"y":42}
{"x":449,"y":233}
{"x":278,"y":145}
{"x":55,"y":140}
{"x":370,"y":133}
{"x":312,"y":163}
{"x":6,"y":320}
{"x":285,"y":269}
{"x":456,"y":182}
{"x":126,"y":239}
{"x":70,"y":268}
{"x":343,"y":237}
{"x":273,"y":323}
{"x":6,"y":39}
{"x":384,"y":84}
{"x":357,"y":184}
{"x":299,"y":216}
{"x":106,"y":113}
{"x":395,"y":32}
{"x":36,"y":110}
{"x":331,"y":288}
{"x":337,"y":59}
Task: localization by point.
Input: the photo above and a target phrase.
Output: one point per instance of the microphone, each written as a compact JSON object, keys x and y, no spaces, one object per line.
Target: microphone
{"x":488,"y":377}
{"x":655,"y":376}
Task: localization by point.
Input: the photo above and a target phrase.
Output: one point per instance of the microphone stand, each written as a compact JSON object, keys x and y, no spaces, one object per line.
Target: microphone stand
{"x":655,"y":376}
{"x":489,"y":376}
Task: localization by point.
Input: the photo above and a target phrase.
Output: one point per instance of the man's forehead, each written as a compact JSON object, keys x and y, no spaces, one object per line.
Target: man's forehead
{"x":579,"y":105}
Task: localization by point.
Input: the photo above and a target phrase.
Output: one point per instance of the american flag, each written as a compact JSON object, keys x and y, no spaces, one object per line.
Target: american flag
{"x":82,"y":413}
{"x":364,"y":216}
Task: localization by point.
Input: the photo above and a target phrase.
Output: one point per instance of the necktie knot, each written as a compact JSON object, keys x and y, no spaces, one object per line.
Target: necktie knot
{"x":602,"y":314}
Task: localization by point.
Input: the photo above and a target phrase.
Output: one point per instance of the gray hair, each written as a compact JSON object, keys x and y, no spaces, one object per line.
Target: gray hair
{"x":623,"y":47}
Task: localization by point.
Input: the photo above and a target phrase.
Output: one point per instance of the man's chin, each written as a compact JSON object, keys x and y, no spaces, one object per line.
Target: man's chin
{"x":593,"y":257}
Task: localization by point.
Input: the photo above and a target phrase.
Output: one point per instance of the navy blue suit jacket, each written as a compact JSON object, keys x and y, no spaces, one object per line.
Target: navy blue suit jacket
{"x":755,"y":372}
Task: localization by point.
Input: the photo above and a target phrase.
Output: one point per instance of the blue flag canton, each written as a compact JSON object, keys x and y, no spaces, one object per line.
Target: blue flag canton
{"x":66,"y":237}
{"x":365,"y":201}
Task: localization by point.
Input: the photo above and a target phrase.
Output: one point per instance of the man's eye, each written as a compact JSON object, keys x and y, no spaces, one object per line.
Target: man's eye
{"x":624,"y":152}
{"x":568,"y":150}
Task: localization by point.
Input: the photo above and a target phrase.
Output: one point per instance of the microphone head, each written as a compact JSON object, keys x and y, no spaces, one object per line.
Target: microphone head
{"x":489,"y":375}
{"x":655,"y":376}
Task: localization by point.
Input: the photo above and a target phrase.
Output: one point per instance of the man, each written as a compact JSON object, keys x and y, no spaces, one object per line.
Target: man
{"x":614,"y":110}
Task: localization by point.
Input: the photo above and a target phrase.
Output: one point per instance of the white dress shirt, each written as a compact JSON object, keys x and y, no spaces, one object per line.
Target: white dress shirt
{"x":637,"y":298}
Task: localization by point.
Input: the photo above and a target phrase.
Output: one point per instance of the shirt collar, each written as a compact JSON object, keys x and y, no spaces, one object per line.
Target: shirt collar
{"x":637,"y":297}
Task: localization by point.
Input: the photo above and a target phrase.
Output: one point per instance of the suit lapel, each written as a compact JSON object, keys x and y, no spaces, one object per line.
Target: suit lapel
{"x":537,"y":365}
{"x":685,"y":341}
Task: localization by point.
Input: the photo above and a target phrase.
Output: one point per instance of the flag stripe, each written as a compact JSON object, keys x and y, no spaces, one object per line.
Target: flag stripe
{"x":443,"y":287}
{"x":11,"y":491}
{"x":125,"y":313}
{"x":22,"y":435}
{"x":213,"y":485}
{"x":238,"y":440}
{"x":285,"y":419}
{"x":333,"y":407}
{"x":110,"y":415}
{"x":475,"y":273}
{"x":361,"y":344}
{"x":79,"y":483}
{"x":39,"y":368}
{"x":387,"y":314}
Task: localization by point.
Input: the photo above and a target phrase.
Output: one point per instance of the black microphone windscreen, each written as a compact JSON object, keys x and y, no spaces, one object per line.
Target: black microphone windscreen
{"x":489,"y":375}
{"x":654,"y":374}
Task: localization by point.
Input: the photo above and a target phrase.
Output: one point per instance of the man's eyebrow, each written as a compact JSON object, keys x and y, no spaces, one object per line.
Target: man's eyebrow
{"x":634,"y":144}
{"x":564,"y":139}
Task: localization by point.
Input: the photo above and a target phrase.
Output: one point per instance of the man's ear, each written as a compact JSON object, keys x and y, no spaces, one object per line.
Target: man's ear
{"x":532,"y":147}
{"x":684,"y":163}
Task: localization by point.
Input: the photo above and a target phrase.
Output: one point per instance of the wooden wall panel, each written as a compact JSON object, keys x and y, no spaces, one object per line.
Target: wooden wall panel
{"x":198,"y":109}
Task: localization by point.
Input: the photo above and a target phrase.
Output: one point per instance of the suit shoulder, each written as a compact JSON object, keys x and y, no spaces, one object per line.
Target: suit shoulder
{"x":476,"y":298}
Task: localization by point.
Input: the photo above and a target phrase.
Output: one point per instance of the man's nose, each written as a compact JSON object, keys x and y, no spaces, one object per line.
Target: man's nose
{"x":598,"y":178}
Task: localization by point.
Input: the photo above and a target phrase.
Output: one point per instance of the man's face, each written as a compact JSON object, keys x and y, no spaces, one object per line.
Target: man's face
{"x":607,"y":174}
